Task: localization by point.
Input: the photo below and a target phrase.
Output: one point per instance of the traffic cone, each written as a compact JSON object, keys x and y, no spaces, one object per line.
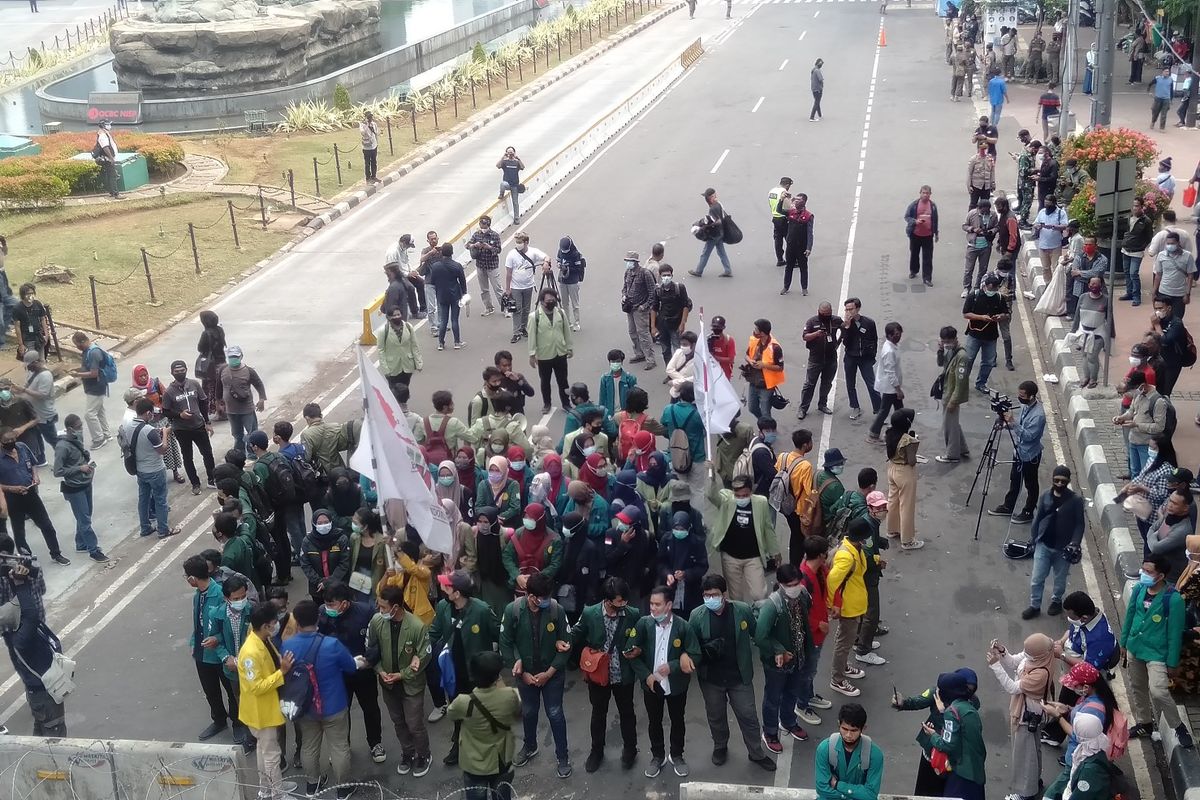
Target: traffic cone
{"x":883,"y":37}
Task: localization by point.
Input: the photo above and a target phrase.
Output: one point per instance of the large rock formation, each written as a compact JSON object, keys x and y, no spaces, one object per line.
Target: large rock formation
{"x":190,"y":47}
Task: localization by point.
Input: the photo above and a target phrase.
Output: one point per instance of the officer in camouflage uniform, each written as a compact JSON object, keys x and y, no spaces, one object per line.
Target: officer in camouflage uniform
{"x":1033,"y":64}
{"x":1053,"y":58}
{"x":1025,"y":181}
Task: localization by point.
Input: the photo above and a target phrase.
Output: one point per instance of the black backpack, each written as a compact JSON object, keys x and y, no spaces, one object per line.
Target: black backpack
{"x":259,"y":501}
{"x":1172,"y":418}
{"x":309,"y":481}
{"x":129,"y":452}
{"x":300,"y":692}
{"x":263,"y":549}
{"x":281,"y":480}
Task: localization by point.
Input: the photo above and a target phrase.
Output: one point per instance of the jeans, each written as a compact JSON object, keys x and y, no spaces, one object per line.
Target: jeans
{"x":758,"y":401}
{"x":558,"y":368}
{"x":1133,"y":277}
{"x":48,"y":431}
{"x":239,"y":426}
{"x":1159,"y":111}
{"x":639,"y":334}
{"x":515,"y":194}
{"x":448,"y":312}
{"x":824,"y":371}
{"x":427,"y":299}
{"x":865,"y":366}
{"x":488,"y":787}
{"x":816,"y":106}
{"x":152,"y":491}
{"x":199,"y":438}
{"x":973,"y":346}
{"x":717,"y":244}
{"x":622,"y":694}
{"x":29,"y":506}
{"x":49,"y":717}
{"x":294,"y":518}
{"x":668,"y":339}
{"x":920,"y":256}
{"x":741,"y":698}
{"x":996,"y":109}
{"x":1046,"y":559}
{"x":550,"y":696}
{"x":976,"y":258}
{"x":1023,"y":472}
{"x":96,"y":419}
{"x":674,"y":705}
{"x":81,"y":506}
{"x":887,"y":404}
{"x":489,"y":284}
{"x":808,"y":675}
{"x":781,"y":692}
{"x":371,"y":163}
{"x":1139,"y":457}
{"x":520,"y":319}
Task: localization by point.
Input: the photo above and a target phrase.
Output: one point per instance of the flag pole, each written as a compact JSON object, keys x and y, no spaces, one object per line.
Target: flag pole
{"x":707,"y":382}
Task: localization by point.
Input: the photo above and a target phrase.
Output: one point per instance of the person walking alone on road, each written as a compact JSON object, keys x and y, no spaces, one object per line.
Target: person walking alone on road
{"x":997,"y":89}
{"x":73,"y":464}
{"x":860,"y":338}
{"x":822,"y":335}
{"x":510,"y":166}
{"x":521,"y":267}
{"x":779,"y":200}
{"x":368,"y":129}
{"x":550,"y":346}
{"x":713,"y":226}
{"x":817,"y":82}
{"x":799,"y":243}
{"x":1163,"y":87}
{"x":638,"y":293}
{"x":921,"y":226}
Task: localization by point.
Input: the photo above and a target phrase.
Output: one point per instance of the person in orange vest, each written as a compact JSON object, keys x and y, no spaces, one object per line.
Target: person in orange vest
{"x":763,"y":369}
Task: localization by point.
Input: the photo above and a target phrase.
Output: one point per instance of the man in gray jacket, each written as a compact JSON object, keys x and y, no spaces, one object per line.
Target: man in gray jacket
{"x":818,"y":88}
{"x":73,"y":463}
{"x":1145,"y":418}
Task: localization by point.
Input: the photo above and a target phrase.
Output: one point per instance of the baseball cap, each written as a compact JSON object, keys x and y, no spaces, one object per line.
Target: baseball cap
{"x":233,"y":351}
{"x":259,"y":439}
{"x":458,"y":580}
{"x":876,"y":499}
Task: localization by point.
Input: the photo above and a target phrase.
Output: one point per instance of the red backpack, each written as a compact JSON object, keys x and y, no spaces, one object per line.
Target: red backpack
{"x":1117,"y":730}
{"x":437,"y":449}
{"x":630,"y":427}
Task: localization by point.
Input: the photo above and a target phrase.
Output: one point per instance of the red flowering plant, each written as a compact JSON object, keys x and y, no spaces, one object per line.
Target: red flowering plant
{"x":1083,"y":205}
{"x":1110,"y":144}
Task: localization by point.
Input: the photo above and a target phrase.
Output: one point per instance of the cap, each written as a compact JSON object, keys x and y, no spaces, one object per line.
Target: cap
{"x":132,"y":395}
{"x":718,"y":320}
{"x":258,"y":439}
{"x":459,"y":581}
{"x":968,"y":675}
{"x":876,"y":499}
{"x":991,"y":279}
{"x":833,"y":458}
{"x":1062,"y":471}
{"x":1139,"y":351}
{"x":1082,"y":674}
{"x":632,"y":255}
{"x":1182,"y":475}
{"x":233,"y":351}
{"x":680,"y":491}
{"x":31,"y":355}
{"x":709,"y":192}
{"x":178,"y":363}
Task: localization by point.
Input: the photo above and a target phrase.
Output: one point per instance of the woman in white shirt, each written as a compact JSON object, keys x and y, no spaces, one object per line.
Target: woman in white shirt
{"x":682,"y":367}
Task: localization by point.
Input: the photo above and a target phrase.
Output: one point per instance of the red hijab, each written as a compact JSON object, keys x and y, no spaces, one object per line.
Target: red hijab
{"x":552,"y":466}
{"x":517,"y":453}
{"x":588,"y":475}
{"x":643,"y":441}
{"x":466,"y":476}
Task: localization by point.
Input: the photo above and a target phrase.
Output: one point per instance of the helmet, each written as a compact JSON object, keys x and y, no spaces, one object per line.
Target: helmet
{"x":1018,"y":550}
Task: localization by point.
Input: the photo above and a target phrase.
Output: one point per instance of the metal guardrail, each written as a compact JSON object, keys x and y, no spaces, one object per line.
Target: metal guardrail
{"x":550,"y":173}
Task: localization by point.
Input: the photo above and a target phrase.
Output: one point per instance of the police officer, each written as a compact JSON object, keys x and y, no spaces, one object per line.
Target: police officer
{"x":1033,"y":66}
{"x":780,"y":199}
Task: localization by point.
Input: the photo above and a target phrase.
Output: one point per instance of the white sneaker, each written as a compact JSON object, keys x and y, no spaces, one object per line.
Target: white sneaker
{"x":875,"y":645}
{"x":820,"y":702}
{"x":437,"y":713}
{"x":915,"y":544}
{"x":807,"y":716}
{"x":854,"y":672}
{"x":873,"y":659}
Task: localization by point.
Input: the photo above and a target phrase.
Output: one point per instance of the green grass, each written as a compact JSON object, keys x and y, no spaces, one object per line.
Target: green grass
{"x":104,"y":241}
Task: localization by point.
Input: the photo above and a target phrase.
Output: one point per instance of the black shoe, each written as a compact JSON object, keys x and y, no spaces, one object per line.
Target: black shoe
{"x":929,"y":284}
{"x":637,"y":359}
{"x":1031,"y":612}
{"x":240,"y":734}
{"x":524,"y":756}
{"x":1000,"y":511}
{"x":779,"y":263}
{"x":212,"y":483}
{"x":1009,"y":365}
{"x":452,"y":757}
{"x":1055,"y":608}
{"x":1141,"y":729}
{"x":60,"y":559}
{"x":912,"y":275}
{"x":802,"y":413}
{"x":1023,"y":518}
{"x":593,"y":761}
{"x":1184,"y":737}
{"x":211,"y":731}
{"x":628,"y":758}
{"x":766,"y":762}
{"x":1125,"y":296}
{"x":545,"y":410}
{"x":98,"y":556}
{"x":721,"y":755}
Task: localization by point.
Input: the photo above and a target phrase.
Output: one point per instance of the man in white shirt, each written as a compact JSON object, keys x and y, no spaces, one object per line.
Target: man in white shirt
{"x":1174,"y":274}
{"x":888,"y":380}
{"x":369,"y":131}
{"x":1169,"y":225}
{"x":105,"y":154}
{"x":521,"y":269}
{"x":663,"y":658}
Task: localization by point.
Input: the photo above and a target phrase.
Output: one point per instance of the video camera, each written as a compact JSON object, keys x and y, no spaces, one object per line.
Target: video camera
{"x":10,"y":560}
{"x":1001,"y":403}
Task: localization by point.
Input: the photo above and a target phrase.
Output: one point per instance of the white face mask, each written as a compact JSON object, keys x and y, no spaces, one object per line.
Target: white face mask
{"x":323,"y":527}
{"x":792,"y":591}
{"x":1135,"y":361}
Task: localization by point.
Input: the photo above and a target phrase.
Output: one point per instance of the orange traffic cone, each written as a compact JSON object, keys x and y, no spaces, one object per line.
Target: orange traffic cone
{"x":882,"y":37}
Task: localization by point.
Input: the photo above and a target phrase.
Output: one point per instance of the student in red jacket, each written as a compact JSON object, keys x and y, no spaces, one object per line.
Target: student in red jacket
{"x":813,"y":572}
{"x":722,"y":345}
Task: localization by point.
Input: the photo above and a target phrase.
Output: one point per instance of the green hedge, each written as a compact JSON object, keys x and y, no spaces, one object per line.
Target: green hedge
{"x":32,"y":191}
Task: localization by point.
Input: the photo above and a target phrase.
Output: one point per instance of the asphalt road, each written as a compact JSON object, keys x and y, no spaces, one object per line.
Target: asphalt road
{"x":736,"y":122}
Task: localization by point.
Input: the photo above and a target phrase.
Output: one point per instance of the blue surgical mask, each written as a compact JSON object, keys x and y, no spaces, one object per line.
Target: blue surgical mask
{"x":771,"y":437}
{"x":1145,"y":578}
{"x":332,"y":612}
{"x":446,"y":480}
{"x":1152,"y":453}
{"x":544,"y":603}
{"x":658,"y":618}
{"x":323,"y":528}
{"x":990,"y":293}
{"x":680,"y":534}
{"x":630,"y":264}
{"x":517,"y":465}
{"x":529,"y":524}
{"x":567,"y":533}
{"x":836,"y":470}
{"x":742,"y":502}
{"x":621,"y":527}
{"x":587,"y":451}
{"x":714,"y":603}
{"x":238,"y":605}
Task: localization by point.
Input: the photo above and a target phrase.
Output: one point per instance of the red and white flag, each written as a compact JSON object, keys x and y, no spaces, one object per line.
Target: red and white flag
{"x":717,"y":399}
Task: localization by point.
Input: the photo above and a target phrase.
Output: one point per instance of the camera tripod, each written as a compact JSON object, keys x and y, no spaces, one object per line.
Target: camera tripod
{"x":987,"y":465}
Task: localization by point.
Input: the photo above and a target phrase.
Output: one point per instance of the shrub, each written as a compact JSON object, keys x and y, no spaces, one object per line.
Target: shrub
{"x":1083,"y":206}
{"x":159,"y":150}
{"x":32,"y":191}
{"x":478,"y":52}
{"x":341,"y":98}
{"x":81,"y":177}
{"x":1110,"y":144}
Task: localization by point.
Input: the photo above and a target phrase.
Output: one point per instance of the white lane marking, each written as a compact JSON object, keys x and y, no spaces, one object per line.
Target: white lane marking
{"x":827,"y":423}
{"x":784,"y":64}
{"x":817,"y":13}
{"x":757,"y":105}
{"x":802,"y":35}
{"x":720,"y":161}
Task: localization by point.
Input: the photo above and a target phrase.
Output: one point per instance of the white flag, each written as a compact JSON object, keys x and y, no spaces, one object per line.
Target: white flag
{"x":715,"y":395}
{"x":398,"y":467}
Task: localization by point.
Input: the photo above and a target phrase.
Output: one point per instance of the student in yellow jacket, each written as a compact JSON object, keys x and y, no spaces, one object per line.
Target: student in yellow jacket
{"x":260,"y":675}
{"x":847,"y":600}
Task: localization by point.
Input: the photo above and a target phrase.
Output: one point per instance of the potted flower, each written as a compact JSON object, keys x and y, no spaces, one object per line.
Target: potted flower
{"x":1110,"y":144}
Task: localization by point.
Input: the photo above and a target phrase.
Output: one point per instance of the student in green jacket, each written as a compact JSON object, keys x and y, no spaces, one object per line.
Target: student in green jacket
{"x":486,"y":717}
{"x":829,"y":477}
{"x":1089,"y":775}
{"x":685,"y":415}
{"x":398,"y":649}
{"x":465,"y":625}
{"x":724,"y":631}
{"x":229,"y":625}
{"x":399,"y":350}
{"x":1151,"y":640}
{"x":236,"y":552}
{"x":608,"y":627}
{"x":665,"y":655}
{"x":854,"y":770}
{"x":785,"y":648}
{"x":550,"y":346}
{"x":952,"y":685}
{"x":960,"y":738}
{"x":531,"y":631}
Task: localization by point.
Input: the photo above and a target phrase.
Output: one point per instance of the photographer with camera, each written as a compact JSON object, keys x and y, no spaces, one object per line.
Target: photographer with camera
{"x":1028,"y":429}
{"x":32,"y":646}
{"x":1056,"y":537}
{"x":985,"y":308}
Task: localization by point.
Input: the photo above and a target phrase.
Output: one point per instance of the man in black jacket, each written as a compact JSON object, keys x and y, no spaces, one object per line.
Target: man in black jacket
{"x":449,"y":284}
{"x":762,"y":455}
{"x":31,"y":647}
{"x":1057,"y":534}
{"x":822,"y":335}
{"x":861,"y":340}
{"x":1133,"y":247}
{"x":186,"y":405}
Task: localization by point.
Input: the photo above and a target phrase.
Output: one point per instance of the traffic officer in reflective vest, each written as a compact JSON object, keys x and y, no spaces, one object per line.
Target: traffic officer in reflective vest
{"x":780,"y":199}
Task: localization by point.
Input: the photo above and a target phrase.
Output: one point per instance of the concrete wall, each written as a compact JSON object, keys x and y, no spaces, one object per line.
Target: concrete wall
{"x":371,"y":77}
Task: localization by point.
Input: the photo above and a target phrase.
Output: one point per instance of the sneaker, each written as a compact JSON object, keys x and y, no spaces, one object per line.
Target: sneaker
{"x":656,"y":765}
{"x":437,"y":713}
{"x":873,"y":439}
{"x":806,"y":716}
{"x":405,"y":765}
{"x":593,"y":761}
{"x":98,"y":556}
{"x":1050,"y":741}
{"x":212,"y":483}
{"x":459,"y":345}
{"x":637,"y":359}
{"x":421,"y":766}
{"x":721,"y":755}
{"x":1023,"y":518}
{"x":211,"y":731}
{"x":825,"y":409}
{"x":820,"y":702}
{"x":854,"y":672}
{"x":855,"y":413}
{"x":60,"y":559}
{"x":443,"y":347}
{"x":766,"y":762}
{"x":983,"y":388}
{"x":681,"y":767}
{"x":565,"y":769}
{"x":98,"y":444}
{"x":545,"y":410}
{"x":1055,"y":608}
{"x":915,"y":544}
{"x":884,"y":630}
{"x":524,"y":756}
{"x":451,"y":758}
{"x":195,"y":489}
{"x":873,"y":659}
{"x":378,"y":754}
{"x":771,"y":742}
{"x":1184,"y":737}
{"x":487,"y":312}
{"x":798,"y":733}
{"x":802,"y":413}
{"x":1000,"y":511}
{"x":516,"y":338}
{"x":694,"y":274}
{"x":945,"y":460}
{"x":845,"y":687}
{"x":1030,"y":613}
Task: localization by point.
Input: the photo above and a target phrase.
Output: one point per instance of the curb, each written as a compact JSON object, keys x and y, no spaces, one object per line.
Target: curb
{"x":1122,"y":555}
{"x":125,"y":347}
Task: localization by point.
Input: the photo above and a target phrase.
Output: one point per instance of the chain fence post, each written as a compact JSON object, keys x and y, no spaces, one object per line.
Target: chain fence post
{"x":262,"y":204}
{"x":316,"y":180}
{"x":391,"y":149}
{"x":195,"y":252}
{"x":291,"y":186}
{"x":95,"y":305}
{"x":149,"y":280}
{"x":337,"y":163}
{"x":548,"y":54}
{"x":436,"y":125}
{"x":233,"y":222}
{"x":412,"y":115}
{"x":454,"y":90}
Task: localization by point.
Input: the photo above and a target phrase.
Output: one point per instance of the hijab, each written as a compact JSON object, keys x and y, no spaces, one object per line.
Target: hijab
{"x":498,"y":438}
{"x":151,"y":389}
{"x":643,"y":442}
{"x":537,"y":513}
{"x":489,"y":543}
{"x":552,"y":466}
{"x":500,"y":463}
{"x":543,"y":443}
{"x":580,"y":493}
{"x":625,"y":490}
{"x":588,"y":474}
{"x":466,"y":475}
{"x":455,"y":516}
{"x":902,"y":421}
{"x":345,"y":496}
{"x":517,"y":453}
{"x":454,"y":491}
{"x":1089,"y":737}
{"x":656,"y":475}
{"x":576,"y":455}
{"x":1034,"y":674}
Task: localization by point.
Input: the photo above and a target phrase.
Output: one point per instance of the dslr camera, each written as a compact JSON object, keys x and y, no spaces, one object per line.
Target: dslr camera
{"x":10,"y":560}
{"x":1001,"y":403}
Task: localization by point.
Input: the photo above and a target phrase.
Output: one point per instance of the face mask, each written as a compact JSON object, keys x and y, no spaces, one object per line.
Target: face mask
{"x":742,"y":502}
{"x":179,"y":377}
{"x":9,"y":445}
{"x":1173,"y":249}
{"x":1135,"y":361}
{"x":331,"y":612}
{"x":567,"y":533}
{"x":615,"y":366}
{"x":281,"y":616}
{"x":658,"y":618}
{"x":1024,"y":400}
{"x":1163,"y":314}
{"x":1074,"y":623}
{"x":1145,"y":578}
{"x":495,"y":478}
{"x":630,"y":264}
{"x":601,"y":472}
{"x":714,"y":603}
{"x":461,"y":465}
{"x":587,"y":451}
{"x":680,"y":534}
{"x":529,"y":524}
{"x":235,"y":362}
{"x":517,"y":465}
{"x":550,"y":306}
{"x":5,"y":396}
{"x":446,"y":480}
{"x":544,"y":603}
{"x":238,"y":605}
{"x":836,"y":470}
{"x":686,"y":348}
{"x":323,"y":527}
{"x":1095,"y":292}
{"x":273,"y":631}
{"x":667,"y":280}
{"x":75,"y":431}
{"x":771,"y":437}
{"x":990,"y":293}
{"x":498,"y":449}
{"x":1090,"y":250}
{"x":621,"y":527}
{"x":792,"y":591}
{"x":355,"y":527}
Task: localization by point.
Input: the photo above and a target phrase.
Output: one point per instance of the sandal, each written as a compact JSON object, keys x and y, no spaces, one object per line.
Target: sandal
{"x":178,"y":478}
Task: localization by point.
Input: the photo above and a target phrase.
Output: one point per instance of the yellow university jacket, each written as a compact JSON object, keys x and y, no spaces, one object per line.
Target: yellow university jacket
{"x":259,"y":681}
{"x":846,"y":574}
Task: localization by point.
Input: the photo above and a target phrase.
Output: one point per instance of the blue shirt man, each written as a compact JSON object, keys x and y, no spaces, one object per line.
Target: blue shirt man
{"x":1163,"y":85}
{"x":997,"y":96}
{"x":1027,"y":431}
